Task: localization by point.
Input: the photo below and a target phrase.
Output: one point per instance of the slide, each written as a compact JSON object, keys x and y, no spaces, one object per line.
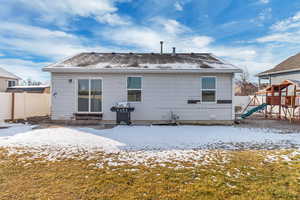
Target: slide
{"x":253,"y":110}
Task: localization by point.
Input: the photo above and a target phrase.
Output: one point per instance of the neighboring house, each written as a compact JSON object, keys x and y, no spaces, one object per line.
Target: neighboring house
{"x":30,"y":89}
{"x":245,"y":88}
{"x":288,"y":69}
{"x":196,"y":87}
{"x":7,"y":79}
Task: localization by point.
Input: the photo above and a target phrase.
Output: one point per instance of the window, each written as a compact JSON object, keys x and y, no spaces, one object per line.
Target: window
{"x":90,"y":95}
{"x":134,"y":89}
{"x":208,"y":89}
{"x":11,"y":83}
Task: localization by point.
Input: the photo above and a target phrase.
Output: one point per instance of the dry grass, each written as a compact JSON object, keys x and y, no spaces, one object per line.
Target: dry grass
{"x":246,"y":176}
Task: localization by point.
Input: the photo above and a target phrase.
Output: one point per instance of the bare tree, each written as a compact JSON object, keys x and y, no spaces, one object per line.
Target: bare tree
{"x":245,"y":85}
{"x":245,"y":76}
{"x":31,"y":82}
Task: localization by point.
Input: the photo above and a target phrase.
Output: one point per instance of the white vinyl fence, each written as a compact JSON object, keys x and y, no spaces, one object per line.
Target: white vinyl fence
{"x":5,"y":106}
{"x":242,"y":101}
{"x":23,"y":105}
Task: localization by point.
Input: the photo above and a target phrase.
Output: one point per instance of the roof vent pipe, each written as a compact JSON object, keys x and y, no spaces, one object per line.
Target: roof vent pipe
{"x":161,"y":47}
{"x":174,"y":51}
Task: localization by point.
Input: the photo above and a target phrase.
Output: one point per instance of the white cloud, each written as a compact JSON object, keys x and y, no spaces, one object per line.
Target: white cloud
{"x":292,"y":22}
{"x":113,"y":19}
{"x":59,"y":12}
{"x":134,"y":36}
{"x":25,"y":69}
{"x":264,"y":1}
{"x":38,"y":41}
{"x":293,"y":37}
{"x":285,"y":31}
{"x":169,"y":26}
{"x":146,"y":39}
{"x":266,"y":14}
{"x":263,"y":16}
{"x":178,"y":6}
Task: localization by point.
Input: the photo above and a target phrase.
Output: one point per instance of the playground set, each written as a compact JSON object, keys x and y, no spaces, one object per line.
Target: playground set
{"x":279,"y":101}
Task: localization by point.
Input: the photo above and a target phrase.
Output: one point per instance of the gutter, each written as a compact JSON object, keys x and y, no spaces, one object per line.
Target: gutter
{"x":6,"y":77}
{"x":277,"y":72}
{"x":100,"y":70}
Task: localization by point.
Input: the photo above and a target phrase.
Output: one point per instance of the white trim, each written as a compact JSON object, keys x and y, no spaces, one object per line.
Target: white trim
{"x":215,"y":90}
{"x":128,"y":71}
{"x":232,"y":97}
{"x":127,"y":89}
{"x":76,"y":90}
{"x":277,"y":72}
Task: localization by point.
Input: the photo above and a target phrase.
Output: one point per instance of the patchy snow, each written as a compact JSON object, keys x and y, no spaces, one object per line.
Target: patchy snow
{"x":293,"y":156}
{"x":7,"y":129}
{"x":149,"y":66}
{"x":196,"y":137}
{"x":61,"y":138}
{"x":141,"y":144}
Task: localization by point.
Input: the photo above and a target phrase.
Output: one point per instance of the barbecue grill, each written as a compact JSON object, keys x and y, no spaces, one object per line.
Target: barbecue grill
{"x":123,"y":112}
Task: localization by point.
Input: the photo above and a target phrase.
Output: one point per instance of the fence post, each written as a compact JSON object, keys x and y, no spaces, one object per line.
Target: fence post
{"x":25,"y":104}
{"x":13,"y":106}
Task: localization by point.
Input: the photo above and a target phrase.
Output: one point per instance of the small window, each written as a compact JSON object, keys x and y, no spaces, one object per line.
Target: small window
{"x":11,"y":83}
{"x":134,"y":89}
{"x":208,"y":89}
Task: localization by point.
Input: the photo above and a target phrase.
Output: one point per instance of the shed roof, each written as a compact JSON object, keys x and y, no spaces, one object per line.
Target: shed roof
{"x":6,"y":74}
{"x":142,"y":61}
{"x":290,"y":64}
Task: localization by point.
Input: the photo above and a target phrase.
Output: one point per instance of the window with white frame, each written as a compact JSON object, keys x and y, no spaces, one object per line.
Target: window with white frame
{"x":208,"y":89}
{"x":90,"y":95}
{"x":134,"y":89}
{"x":11,"y":83}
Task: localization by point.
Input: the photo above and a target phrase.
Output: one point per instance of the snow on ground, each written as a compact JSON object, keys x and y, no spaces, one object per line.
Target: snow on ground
{"x":7,"y":129}
{"x":141,"y":144}
{"x":196,"y":137}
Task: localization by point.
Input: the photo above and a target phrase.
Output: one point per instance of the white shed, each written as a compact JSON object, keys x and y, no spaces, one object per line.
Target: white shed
{"x":196,"y":88}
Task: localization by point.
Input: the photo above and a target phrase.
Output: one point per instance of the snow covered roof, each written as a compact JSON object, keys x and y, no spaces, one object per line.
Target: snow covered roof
{"x":142,"y":61}
{"x":31,"y":86}
{"x":7,"y":74}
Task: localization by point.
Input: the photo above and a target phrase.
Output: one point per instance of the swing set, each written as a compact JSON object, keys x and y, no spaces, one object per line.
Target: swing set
{"x":279,"y":101}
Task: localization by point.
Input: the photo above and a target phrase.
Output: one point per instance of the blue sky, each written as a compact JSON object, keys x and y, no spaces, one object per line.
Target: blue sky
{"x":252,"y":34}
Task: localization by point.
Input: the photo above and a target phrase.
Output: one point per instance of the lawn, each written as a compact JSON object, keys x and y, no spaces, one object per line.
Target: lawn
{"x":82,"y":163}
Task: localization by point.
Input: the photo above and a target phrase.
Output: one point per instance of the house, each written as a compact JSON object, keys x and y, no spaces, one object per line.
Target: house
{"x":288,"y":69}
{"x":7,"y":79}
{"x":30,"y":89}
{"x":245,"y":88}
{"x":194,"y":87}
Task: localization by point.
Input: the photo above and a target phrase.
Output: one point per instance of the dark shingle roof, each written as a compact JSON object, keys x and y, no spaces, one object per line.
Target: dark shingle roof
{"x":290,"y":64}
{"x":143,"y":61}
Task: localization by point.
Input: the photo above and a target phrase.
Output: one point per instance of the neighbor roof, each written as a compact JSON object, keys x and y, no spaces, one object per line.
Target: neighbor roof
{"x":26,"y":88}
{"x":30,"y":86}
{"x":141,"y":61}
{"x":7,"y":74}
{"x":290,"y":64}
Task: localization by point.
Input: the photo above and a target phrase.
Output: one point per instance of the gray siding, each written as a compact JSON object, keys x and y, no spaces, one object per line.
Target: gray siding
{"x":276,"y":79}
{"x":161,"y":94}
{"x":4,"y":83}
